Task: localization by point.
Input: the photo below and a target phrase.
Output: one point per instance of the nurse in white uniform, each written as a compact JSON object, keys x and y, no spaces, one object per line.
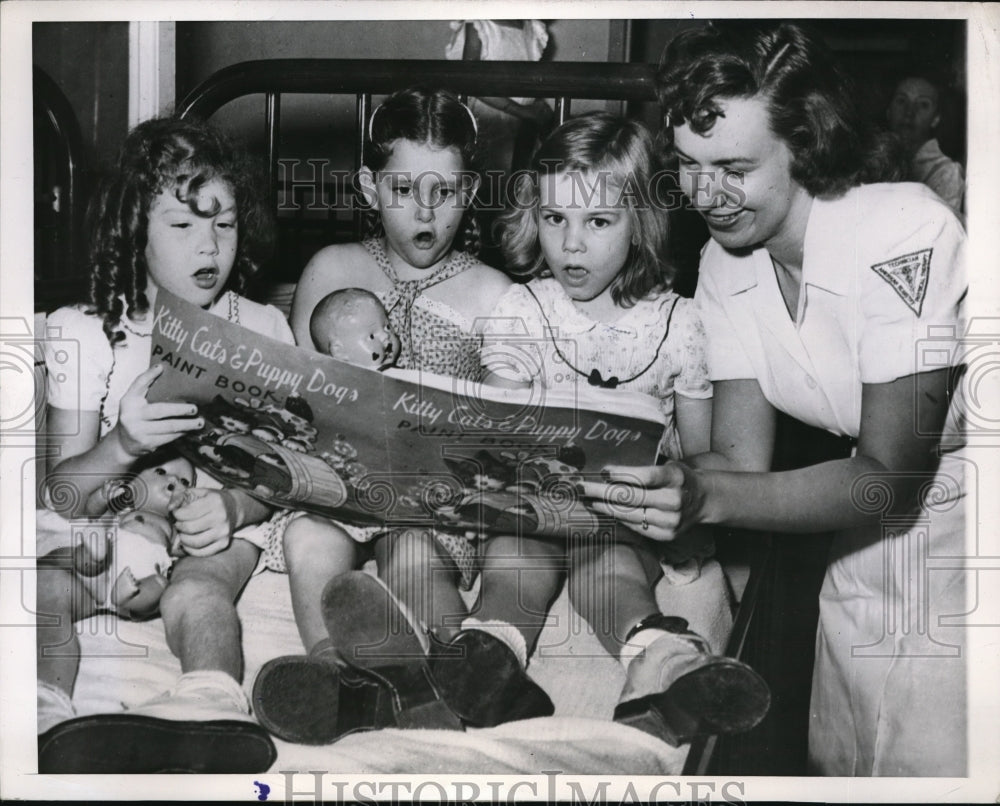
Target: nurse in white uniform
{"x":837,"y":300}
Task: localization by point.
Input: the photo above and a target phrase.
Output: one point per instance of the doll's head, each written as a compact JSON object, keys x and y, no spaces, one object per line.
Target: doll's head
{"x":351,"y":325}
{"x":159,"y":486}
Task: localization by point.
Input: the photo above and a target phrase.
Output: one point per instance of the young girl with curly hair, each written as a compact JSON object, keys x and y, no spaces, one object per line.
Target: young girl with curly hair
{"x":180,"y":212}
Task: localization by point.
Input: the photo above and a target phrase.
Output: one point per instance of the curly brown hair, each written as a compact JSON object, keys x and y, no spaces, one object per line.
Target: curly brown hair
{"x":810,"y":100}
{"x":159,"y":154}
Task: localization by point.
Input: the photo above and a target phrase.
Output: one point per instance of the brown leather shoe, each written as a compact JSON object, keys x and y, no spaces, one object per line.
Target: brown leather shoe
{"x":481,"y":680}
{"x":307,"y":700}
{"x":131,"y":743}
{"x":379,"y":643}
{"x":678,"y":690}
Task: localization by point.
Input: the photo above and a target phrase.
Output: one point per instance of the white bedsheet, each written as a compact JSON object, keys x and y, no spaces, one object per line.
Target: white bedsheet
{"x":125,"y":663}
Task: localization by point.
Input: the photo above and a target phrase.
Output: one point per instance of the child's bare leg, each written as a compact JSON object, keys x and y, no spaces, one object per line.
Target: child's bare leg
{"x":609,"y":588}
{"x":199,"y":611}
{"x":62,"y":600}
{"x":481,"y":671}
{"x":421,"y":576}
{"x":675,"y":688}
{"x":521,"y":577}
{"x":316,"y":550}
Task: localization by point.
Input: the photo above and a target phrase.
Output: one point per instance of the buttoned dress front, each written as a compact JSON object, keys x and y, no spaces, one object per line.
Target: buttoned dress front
{"x":881,"y":294}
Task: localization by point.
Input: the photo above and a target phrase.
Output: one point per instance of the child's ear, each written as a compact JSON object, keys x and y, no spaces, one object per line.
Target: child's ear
{"x":366,"y":181}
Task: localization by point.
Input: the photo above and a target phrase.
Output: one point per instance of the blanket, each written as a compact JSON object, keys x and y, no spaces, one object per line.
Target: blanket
{"x":125,"y":663}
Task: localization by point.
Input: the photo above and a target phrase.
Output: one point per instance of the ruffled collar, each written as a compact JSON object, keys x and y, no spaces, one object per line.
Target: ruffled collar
{"x":648,"y":313}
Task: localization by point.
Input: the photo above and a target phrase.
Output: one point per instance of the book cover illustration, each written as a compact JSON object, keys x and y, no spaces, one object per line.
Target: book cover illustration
{"x":301,"y":430}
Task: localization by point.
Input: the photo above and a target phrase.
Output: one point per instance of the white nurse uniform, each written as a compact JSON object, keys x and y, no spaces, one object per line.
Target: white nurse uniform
{"x":883,"y":280}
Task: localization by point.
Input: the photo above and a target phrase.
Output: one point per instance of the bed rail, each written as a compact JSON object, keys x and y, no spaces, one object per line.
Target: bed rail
{"x":60,"y":195}
{"x":561,"y":82}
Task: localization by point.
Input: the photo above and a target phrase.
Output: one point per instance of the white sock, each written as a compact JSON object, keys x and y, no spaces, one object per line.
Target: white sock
{"x":637,"y":645}
{"x":503,"y":631}
{"x":215,"y":677}
{"x":217,"y":682}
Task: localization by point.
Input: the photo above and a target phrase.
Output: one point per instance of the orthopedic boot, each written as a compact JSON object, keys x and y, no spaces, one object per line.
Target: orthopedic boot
{"x":370,"y":673}
{"x":481,"y":675}
{"x":677,"y":689}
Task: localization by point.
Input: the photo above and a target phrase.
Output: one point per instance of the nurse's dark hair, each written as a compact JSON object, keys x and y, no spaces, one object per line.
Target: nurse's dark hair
{"x":811,"y":101}
{"x":180,"y":156}
{"x":619,"y":153}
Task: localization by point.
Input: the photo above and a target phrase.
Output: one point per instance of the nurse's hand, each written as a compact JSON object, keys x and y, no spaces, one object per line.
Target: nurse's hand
{"x":659,"y":502}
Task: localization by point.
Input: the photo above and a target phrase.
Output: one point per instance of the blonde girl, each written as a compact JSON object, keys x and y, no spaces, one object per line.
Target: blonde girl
{"x":599,"y":311}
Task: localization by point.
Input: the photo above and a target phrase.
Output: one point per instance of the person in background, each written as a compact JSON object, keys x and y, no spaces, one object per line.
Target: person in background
{"x":914,"y":114}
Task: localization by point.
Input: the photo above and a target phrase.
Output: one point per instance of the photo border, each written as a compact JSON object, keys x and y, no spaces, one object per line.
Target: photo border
{"x":17,"y":720}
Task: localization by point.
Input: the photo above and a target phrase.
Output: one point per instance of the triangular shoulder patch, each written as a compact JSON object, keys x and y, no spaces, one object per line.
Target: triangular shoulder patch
{"x":907,"y":274}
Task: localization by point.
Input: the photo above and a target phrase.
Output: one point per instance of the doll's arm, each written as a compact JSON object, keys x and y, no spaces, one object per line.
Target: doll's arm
{"x":142,"y":558}
{"x":114,"y":494}
{"x":138,"y":599}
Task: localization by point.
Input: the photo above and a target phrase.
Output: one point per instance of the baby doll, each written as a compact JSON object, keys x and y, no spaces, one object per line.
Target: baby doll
{"x":351,"y":325}
{"x":127,"y":573}
{"x":120,"y":563}
{"x":140,"y":554}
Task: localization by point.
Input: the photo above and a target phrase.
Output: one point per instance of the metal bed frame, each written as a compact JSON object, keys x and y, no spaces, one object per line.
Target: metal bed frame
{"x":61,"y":188}
{"x":560,"y":81}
